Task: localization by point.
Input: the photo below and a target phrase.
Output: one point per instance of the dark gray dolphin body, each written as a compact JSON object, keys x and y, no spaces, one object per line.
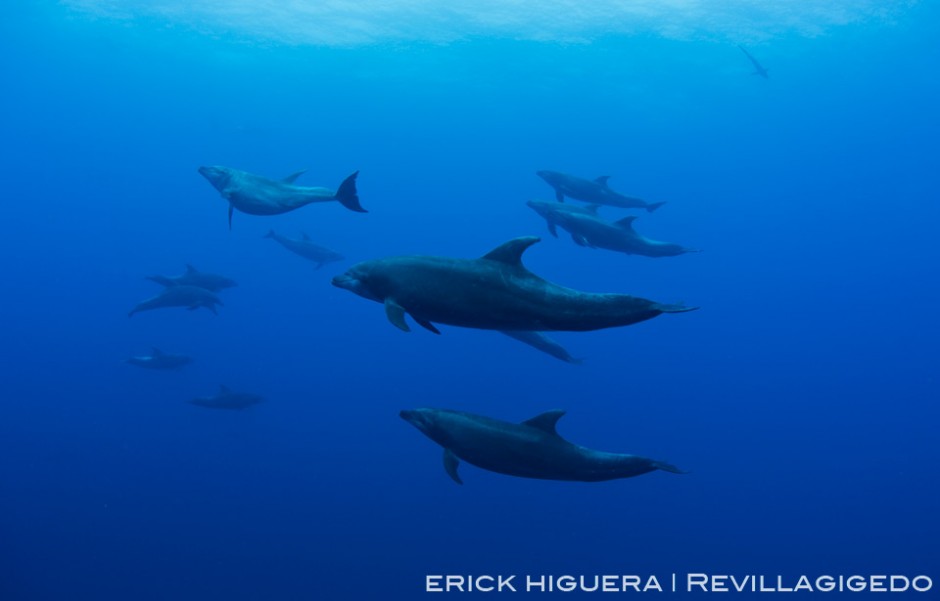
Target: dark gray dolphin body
{"x":758,"y":68}
{"x":589,"y":229}
{"x":226,"y":399}
{"x":191,"y":297}
{"x":194,"y":277}
{"x":540,"y":341}
{"x":259,"y":195}
{"x":532,"y":449}
{"x":593,"y":191}
{"x":160,"y":360}
{"x":494,"y":292}
{"x":306,"y":249}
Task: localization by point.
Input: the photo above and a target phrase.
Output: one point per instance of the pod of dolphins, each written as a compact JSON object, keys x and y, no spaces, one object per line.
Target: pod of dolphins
{"x":492,"y":292}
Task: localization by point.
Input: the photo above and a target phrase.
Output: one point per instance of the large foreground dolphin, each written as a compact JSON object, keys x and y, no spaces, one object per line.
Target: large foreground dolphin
{"x":593,"y":191}
{"x":227,"y":399}
{"x":494,"y":292}
{"x":587,"y":228}
{"x":259,"y":195}
{"x":193,"y":277}
{"x":306,"y":248}
{"x":191,"y":297}
{"x":532,"y":449}
{"x":159,"y":360}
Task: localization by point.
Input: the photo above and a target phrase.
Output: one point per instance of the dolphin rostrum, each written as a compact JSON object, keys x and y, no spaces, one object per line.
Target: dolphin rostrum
{"x":259,"y":195}
{"x":758,"y":68}
{"x":306,"y":248}
{"x":194,"y":277}
{"x":589,"y":229}
{"x":191,"y":297}
{"x":227,"y":399}
{"x":532,"y":449}
{"x":595,"y":192}
{"x":494,"y":292}
{"x":159,"y":360}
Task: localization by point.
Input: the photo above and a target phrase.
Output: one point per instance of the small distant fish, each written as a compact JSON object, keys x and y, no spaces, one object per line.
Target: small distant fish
{"x":758,"y":68}
{"x":227,"y":399}
{"x":306,"y":248}
{"x":159,"y":360}
{"x":194,"y":277}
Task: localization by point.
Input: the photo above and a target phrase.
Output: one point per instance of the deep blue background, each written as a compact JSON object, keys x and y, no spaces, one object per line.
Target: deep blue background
{"x":802,"y":396}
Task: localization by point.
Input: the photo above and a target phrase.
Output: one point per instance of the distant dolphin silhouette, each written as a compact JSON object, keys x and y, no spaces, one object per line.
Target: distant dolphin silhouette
{"x":194,"y":277}
{"x":159,"y":360}
{"x":226,"y":399}
{"x":191,"y":297}
{"x":532,"y":449}
{"x":259,"y":195}
{"x":589,"y":229}
{"x":306,"y":248}
{"x":758,"y":68}
{"x":494,"y":292}
{"x":593,"y":191}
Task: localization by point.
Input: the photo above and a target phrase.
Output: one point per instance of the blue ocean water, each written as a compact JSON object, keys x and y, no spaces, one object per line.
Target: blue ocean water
{"x":801,"y":397}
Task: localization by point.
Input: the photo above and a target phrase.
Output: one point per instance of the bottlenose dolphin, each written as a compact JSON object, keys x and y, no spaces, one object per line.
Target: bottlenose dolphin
{"x":194,"y":277}
{"x":159,"y":360}
{"x":532,"y":449}
{"x":226,"y":399}
{"x":494,"y":292}
{"x":192,"y":297}
{"x":758,"y":69}
{"x":595,"y":192}
{"x":590,"y":230}
{"x":259,"y":195}
{"x":306,"y":249}
{"x":540,"y":341}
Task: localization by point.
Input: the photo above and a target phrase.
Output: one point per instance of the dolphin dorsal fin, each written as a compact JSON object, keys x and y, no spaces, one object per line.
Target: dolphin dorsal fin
{"x":626,"y":223}
{"x":545,"y":421}
{"x":510,"y":253}
{"x":224,"y":390}
{"x":290,"y":179}
{"x":155,"y":351}
{"x":191,"y":269}
{"x":602,"y":180}
{"x":305,"y":236}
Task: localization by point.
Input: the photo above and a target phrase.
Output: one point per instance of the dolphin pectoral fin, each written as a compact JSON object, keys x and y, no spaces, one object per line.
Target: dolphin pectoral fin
{"x":451,"y":463}
{"x":396,"y":315}
{"x":510,"y":253}
{"x":674,"y":308}
{"x":559,"y":196}
{"x":667,"y":467}
{"x":231,"y":209}
{"x":427,"y":325}
{"x":579,"y":240}
{"x":545,"y":421}
{"x":551,"y":228}
{"x":290,"y":179}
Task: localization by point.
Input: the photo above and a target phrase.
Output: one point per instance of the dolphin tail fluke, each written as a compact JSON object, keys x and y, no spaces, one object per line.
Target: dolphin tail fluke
{"x":668,"y":467}
{"x":653,"y":206}
{"x":348,"y":196}
{"x":675,"y":308}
